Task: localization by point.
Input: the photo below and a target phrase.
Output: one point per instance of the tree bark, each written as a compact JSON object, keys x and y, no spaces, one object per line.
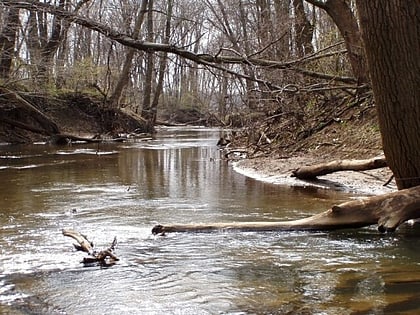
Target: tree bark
{"x":162,"y":64}
{"x":311,"y":172}
{"x":388,"y":211}
{"x":147,"y":112}
{"x":391,"y":31}
{"x":7,"y":42}
{"x":343,"y":17}
{"x":304,"y":30}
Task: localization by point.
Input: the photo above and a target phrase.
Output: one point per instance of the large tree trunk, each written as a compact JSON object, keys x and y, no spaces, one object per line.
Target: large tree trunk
{"x":391,"y":31}
{"x":343,"y":17}
{"x":388,"y":211}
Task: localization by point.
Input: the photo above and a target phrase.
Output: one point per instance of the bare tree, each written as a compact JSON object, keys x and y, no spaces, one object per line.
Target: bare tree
{"x":162,"y":63}
{"x":146,"y":112}
{"x":124,"y":76}
{"x":236,"y":39}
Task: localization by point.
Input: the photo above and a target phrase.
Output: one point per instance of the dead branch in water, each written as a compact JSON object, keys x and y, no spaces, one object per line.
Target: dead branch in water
{"x":388,"y":211}
{"x":104,"y":256}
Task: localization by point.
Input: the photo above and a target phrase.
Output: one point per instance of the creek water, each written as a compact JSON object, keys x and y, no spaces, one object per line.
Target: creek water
{"x":124,"y":189}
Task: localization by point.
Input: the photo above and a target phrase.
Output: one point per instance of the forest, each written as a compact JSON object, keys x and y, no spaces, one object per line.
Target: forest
{"x":156,"y":58}
{"x":281,"y":71}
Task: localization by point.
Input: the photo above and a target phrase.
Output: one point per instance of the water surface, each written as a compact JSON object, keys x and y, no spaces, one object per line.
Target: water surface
{"x":125,"y":189}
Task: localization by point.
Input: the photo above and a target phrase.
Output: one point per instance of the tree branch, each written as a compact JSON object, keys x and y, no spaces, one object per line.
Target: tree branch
{"x":317,"y":3}
{"x":207,"y":60}
{"x":388,"y":211}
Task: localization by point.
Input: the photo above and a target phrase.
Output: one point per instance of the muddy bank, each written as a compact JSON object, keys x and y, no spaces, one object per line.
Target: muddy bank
{"x":28,"y":118}
{"x":279,"y":170}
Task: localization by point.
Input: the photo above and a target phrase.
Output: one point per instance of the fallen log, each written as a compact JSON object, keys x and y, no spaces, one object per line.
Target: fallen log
{"x":313,"y":171}
{"x":63,"y":139}
{"x":388,"y":211}
{"x":106,"y":256}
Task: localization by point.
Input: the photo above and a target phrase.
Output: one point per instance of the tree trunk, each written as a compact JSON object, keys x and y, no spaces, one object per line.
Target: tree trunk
{"x":33,"y":42}
{"x":343,"y":17}
{"x":162,"y":64}
{"x":223,"y":96}
{"x":283,"y":45}
{"x":124,"y":76}
{"x":7,"y":42}
{"x":304,"y":30}
{"x":311,"y":172}
{"x":50,"y":48}
{"x":146,"y":112}
{"x":264,"y":26}
{"x":249,"y":84}
{"x":43,"y":42}
{"x":388,"y":211}
{"x":391,"y":31}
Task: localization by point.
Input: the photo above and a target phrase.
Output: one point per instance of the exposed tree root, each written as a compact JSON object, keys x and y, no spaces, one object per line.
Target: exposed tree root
{"x":388,"y":211}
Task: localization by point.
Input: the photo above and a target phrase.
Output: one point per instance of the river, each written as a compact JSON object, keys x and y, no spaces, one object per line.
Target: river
{"x":124,"y":189}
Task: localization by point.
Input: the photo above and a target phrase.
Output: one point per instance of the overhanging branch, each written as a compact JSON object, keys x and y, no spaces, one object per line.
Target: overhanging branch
{"x":207,"y":60}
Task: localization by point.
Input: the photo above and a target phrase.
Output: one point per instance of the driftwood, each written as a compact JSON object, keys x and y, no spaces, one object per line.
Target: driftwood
{"x":311,"y":172}
{"x":388,"y":211}
{"x":239,"y":152}
{"x":105,"y":256}
{"x":62,"y":139}
{"x":168,"y":124}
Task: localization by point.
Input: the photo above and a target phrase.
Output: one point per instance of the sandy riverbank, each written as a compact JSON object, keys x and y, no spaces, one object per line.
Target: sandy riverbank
{"x":278,"y":171}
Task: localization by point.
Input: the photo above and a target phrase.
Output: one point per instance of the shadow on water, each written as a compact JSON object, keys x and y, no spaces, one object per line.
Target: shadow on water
{"x":125,"y":189}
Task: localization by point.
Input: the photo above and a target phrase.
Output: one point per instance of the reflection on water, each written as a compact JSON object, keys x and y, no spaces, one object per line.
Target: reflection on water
{"x":124,"y":189}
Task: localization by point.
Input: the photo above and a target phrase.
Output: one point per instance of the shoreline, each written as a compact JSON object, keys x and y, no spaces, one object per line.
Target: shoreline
{"x":278,"y":172}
